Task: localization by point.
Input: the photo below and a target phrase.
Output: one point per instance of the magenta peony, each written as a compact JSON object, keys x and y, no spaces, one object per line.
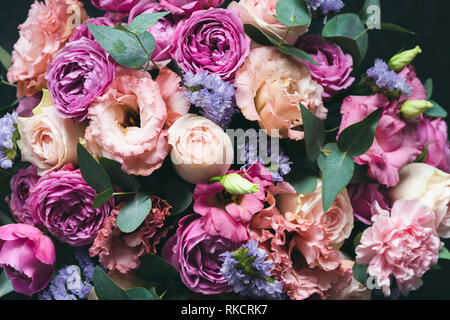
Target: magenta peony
{"x":117,"y":5}
{"x":365,"y":198}
{"x":211,"y":40}
{"x":83,"y":31}
{"x":185,"y":7}
{"x":27,"y":256}
{"x":333,"y":67}
{"x":62,"y":202}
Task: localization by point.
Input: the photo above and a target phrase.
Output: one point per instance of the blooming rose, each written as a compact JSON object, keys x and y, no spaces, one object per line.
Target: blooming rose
{"x":333,"y":67}
{"x":126,"y":123}
{"x":432,"y":133}
{"x":364,"y":198}
{"x":21,"y":184}
{"x":338,"y":220}
{"x":81,"y":72}
{"x":62,"y":201}
{"x":42,"y":35}
{"x":27,"y":256}
{"x":211,"y":40}
{"x":229,"y":215}
{"x":431,"y":187}
{"x":48,"y":141}
{"x":116,"y":5}
{"x":83,"y":32}
{"x":271,"y":86}
{"x":261,"y":15}
{"x":196,"y":255}
{"x":120,"y":251}
{"x":403,"y":245}
{"x":200,"y":149}
{"x":185,"y":7}
{"x":395,"y":143}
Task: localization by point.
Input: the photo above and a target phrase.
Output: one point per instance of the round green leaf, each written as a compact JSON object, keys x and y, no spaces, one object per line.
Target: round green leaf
{"x":134,"y":212}
{"x":105,"y":288}
{"x":314,"y":133}
{"x":292,"y":13}
{"x":142,"y":294}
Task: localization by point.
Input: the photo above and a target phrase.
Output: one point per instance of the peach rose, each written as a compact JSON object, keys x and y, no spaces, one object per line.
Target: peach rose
{"x":260,"y":13}
{"x":338,"y":220}
{"x":200,"y":149}
{"x":46,"y":30}
{"x":48,"y":141}
{"x":271,"y":86}
{"x":126,"y":123}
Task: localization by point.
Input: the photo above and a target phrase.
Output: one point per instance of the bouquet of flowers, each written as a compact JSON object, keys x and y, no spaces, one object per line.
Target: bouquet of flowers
{"x":178,"y":149}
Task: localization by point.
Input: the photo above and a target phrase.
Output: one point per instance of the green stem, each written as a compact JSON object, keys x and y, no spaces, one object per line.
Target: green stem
{"x":284,"y":37}
{"x":2,"y":81}
{"x":124,"y":193}
{"x":149,"y":56}
{"x":361,"y":34}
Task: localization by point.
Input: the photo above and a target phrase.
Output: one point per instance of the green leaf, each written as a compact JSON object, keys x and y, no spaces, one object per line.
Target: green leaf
{"x":292,"y":51}
{"x":303,"y":179}
{"x":337,"y":173}
{"x":259,"y":36}
{"x":327,"y":149}
{"x":436,"y":267}
{"x":360,"y":175}
{"x":365,"y":14}
{"x":347,"y":31}
{"x":5,"y":285}
{"x":421,"y":158}
{"x":177,"y":193}
{"x":118,"y":177}
{"x":437,"y":111}
{"x":105,"y":288}
{"x":142,"y":294}
{"x":314,"y":133}
{"x":5,"y":219}
{"x":292,"y":13}
{"x":356,"y":139}
{"x":396,"y":28}
{"x":5,"y":58}
{"x":124,"y":46}
{"x":143,"y":22}
{"x":134,"y":212}
{"x":102,"y":197}
{"x":155,"y":268}
{"x":360,"y":273}
{"x":429,"y":87}
{"x":92,"y":171}
{"x":444,"y":254}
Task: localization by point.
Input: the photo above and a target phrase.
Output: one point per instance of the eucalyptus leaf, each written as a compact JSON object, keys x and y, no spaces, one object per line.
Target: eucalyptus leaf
{"x":429,"y":87}
{"x":177,"y":193}
{"x":143,"y":22}
{"x":259,"y":36}
{"x":327,"y":149}
{"x":102,"y":197}
{"x":141,"y":294}
{"x":444,"y":254}
{"x":5,"y":284}
{"x":292,"y":51}
{"x":118,"y":177}
{"x":303,"y":179}
{"x":314,"y":130}
{"x":105,"y":288}
{"x":437,"y":111}
{"x":292,"y":13}
{"x":155,"y":268}
{"x":5,"y":219}
{"x":396,"y":28}
{"x":5,"y":58}
{"x":360,"y":273}
{"x":92,"y":172}
{"x":134,"y":212}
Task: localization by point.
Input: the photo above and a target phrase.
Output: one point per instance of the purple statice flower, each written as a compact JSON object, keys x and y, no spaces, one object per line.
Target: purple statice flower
{"x":325,"y":6}
{"x":214,"y":96}
{"x":249,"y":273}
{"x":86,"y":264}
{"x":388,"y":80}
{"x":8,"y":138}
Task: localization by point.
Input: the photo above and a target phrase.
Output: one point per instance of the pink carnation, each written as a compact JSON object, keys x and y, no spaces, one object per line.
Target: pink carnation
{"x":46,"y":30}
{"x":395,"y":144}
{"x":403,"y":245}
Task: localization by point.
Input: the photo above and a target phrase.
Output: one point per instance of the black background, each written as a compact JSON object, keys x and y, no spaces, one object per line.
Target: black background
{"x":430,"y":19}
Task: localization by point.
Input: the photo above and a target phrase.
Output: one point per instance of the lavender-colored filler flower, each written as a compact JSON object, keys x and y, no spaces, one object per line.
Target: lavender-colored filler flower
{"x":214,"y":96}
{"x":8,"y":138}
{"x":249,"y":273}
{"x":387,"y":79}
{"x":325,"y":6}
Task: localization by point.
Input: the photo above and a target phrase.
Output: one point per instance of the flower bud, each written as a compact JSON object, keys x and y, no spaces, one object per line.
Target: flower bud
{"x":411,"y":109}
{"x":234,"y":183}
{"x":402,"y":59}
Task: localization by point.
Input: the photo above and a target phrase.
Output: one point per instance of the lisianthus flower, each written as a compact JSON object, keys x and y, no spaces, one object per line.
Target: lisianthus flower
{"x":364,"y":198}
{"x":228,"y":215}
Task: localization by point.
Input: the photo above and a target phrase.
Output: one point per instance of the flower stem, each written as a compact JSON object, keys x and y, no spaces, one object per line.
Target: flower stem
{"x":284,"y":37}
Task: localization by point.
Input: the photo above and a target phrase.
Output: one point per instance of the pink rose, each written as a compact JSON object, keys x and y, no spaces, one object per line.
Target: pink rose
{"x":117,"y":5}
{"x":402,"y":245}
{"x":271,"y":86}
{"x":200,"y":149}
{"x":395,"y":143}
{"x":261,"y":15}
{"x":27,"y":256}
{"x":46,"y":30}
{"x":364,"y":198}
{"x":126,"y":123}
{"x":186,"y":7}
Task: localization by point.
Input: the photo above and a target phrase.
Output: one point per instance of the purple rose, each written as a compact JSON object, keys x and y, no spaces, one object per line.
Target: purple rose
{"x":21,"y":185}
{"x":162,"y":30}
{"x":83,"y":31}
{"x":27,"y":104}
{"x":185,"y":7}
{"x":81,"y":72}
{"x":62,"y":202}
{"x":196,"y":255}
{"x":433,"y":133}
{"x":117,"y":5}
{"x":333,"y":67}
{"x":364,"y":197}
{"x":211,"y":40}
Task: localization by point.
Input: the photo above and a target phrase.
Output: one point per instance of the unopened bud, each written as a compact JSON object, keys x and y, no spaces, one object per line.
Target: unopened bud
{"x":402,"y":59}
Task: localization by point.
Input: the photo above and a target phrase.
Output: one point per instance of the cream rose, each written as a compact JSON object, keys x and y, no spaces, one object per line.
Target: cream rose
{"x":200,"y":149}
{"x":429,"y":185}
{"x":270,"y":88}
{"x":260,"y":13}
{"x":48,"y":141}
{"x":338,"y":220}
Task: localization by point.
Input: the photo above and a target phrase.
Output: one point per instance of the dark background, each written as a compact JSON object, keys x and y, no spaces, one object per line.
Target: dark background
{"x":430,"y":19}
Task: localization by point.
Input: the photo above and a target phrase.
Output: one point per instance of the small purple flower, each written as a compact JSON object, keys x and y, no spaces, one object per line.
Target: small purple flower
{"x":388,"y":80}
{"x":214,"y":96}
{"x":8,"y":138}
{"x":325,"y":6}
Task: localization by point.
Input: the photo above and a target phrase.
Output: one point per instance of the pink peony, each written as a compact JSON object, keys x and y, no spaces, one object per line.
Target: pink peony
{"x":46,"y":30}
{"x":395,"y":143}
{"x":186,"y":7}
{"x":120,"y":251}
{"x":365,"y":198}
{"x":126,"y":123}
{"x":229,"y":215}
{"x":269,"y":89}
{"x":402,"y":245}
{"x":117,"y":5}
{"x":27,"y":256}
